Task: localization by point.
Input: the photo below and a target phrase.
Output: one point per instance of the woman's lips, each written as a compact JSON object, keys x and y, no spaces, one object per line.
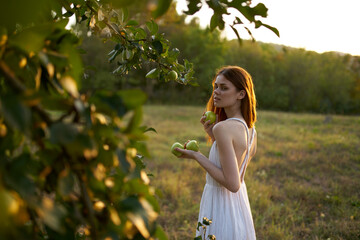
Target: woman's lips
{"x":216,"y":99}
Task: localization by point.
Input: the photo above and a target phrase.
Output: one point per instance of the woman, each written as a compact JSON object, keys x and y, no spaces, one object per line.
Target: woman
{"x":233,"y":135}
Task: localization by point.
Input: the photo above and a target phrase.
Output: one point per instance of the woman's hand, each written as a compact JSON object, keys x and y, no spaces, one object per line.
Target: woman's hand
{"x":187,"y":153}
{"x":208,"y":126}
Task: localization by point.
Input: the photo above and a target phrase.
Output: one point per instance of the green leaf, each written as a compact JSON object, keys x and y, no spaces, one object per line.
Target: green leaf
{"x":198,"y":226}
{"x":152,"y":27}
{"x":109,"y":103}
{"x":18,"y":173}
{"x":54,"y":217}
{"x":16,"y":114}
{"x":75,"y":61}
{"x":153,"y":73}
{"x":113,"y":56}
{"x":66,"y":183}
{"x":26,"y":12}
{"x":68,"y":14}
{"x":55,"y":103}
{"x":118,"y":46}
{"x":193,"y":7}
{"x":135,"y":120}
{"x":188,"y":65}
{"x":31,"y":39}
{"x":133,"y":98}
{"x":238,"y":21}
{"x":139,"y":162}
{"x":160,"y":234}
{"x":162,"y":7}
{"x":237,"y":34}
{"x":132,"y":23}
{"x":111,"y":52}
{"x":217,"y":21}
{"x":247,"y":12}
{"x":81,"y":142}
{"x":63,"y":133}
{"x":150,"y":130}
{"x":124,"y":14}
{"x":250,"y":33}
{"x":157,"y":46}
{"x":140,"y":34}
{"x":213,"y":22}
{"x":272,"y":29}
{"x":260,"y":10}
{"x":173,"y":54}
{"x":142,"y":148}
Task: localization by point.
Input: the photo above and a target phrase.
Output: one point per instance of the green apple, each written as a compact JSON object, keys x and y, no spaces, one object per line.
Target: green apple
{"x":192,"y":145}
{"x":210,"y":116}
{"x":176,"y":145}
{"x":173,"y":75}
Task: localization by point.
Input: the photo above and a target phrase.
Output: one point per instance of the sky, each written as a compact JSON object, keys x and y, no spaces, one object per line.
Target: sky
{"x":315,"y":25}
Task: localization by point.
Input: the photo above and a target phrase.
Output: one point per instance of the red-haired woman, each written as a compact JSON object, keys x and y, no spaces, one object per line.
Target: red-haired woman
{"x":233,"y":135}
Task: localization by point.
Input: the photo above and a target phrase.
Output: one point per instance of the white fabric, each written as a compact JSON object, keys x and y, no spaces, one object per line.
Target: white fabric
{"x":230,"y":212}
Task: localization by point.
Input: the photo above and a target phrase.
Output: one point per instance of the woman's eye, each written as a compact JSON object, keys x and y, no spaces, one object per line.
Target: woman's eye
{"x":221,"y":88}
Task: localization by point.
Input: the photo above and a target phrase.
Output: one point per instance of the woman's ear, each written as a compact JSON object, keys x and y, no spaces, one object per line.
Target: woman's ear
{"x":242,"y":94}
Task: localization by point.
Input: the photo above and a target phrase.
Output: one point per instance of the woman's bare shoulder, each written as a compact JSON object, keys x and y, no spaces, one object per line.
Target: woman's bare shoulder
{"x":229,"y":126}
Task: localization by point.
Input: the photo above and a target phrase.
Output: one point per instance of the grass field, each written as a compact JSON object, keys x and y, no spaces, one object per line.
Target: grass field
{"x":304,"y":182}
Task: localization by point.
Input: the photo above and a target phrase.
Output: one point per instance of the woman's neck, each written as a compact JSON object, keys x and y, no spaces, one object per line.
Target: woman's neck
{"x":233,"y":112}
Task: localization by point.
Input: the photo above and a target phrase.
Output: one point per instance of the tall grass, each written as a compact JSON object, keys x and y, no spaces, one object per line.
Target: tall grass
{"x":304,"y":182}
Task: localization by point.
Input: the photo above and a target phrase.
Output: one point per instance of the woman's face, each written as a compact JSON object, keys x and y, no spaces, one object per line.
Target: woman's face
{"x":225,"y":93}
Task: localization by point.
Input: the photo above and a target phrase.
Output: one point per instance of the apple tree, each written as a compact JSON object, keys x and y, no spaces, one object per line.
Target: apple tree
{"x":71,"y":162}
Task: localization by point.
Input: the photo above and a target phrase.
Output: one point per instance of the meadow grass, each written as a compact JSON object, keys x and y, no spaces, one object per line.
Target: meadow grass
{"x":303,"y":183}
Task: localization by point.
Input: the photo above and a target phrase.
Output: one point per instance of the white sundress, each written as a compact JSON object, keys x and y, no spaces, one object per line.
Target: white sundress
{"x":230,"y":212}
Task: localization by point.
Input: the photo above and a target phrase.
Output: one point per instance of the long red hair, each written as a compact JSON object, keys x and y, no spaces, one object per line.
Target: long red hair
{"x":242,"y":81}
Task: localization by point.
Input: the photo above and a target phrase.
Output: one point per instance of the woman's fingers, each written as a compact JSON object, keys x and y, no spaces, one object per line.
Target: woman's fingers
{"x":207,"y":123}
{"x":184,"y":153}
{"x":179,"y":150}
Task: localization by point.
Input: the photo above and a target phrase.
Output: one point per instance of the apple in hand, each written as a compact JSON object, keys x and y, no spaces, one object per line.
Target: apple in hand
{"x":210,"y":116}
{"x":192,"y":145}
{"x":176,"y":145}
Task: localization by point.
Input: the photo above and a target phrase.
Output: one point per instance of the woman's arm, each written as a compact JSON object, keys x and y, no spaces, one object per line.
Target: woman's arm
{"x":223,"y":133}
{"x":228,"y":174}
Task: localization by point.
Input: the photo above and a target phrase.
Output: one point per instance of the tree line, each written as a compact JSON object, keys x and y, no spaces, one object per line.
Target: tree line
{"x":286,"y":79}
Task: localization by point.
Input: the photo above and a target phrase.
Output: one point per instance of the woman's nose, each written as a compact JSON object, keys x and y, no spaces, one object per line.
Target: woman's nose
{"x":216,"y":91}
